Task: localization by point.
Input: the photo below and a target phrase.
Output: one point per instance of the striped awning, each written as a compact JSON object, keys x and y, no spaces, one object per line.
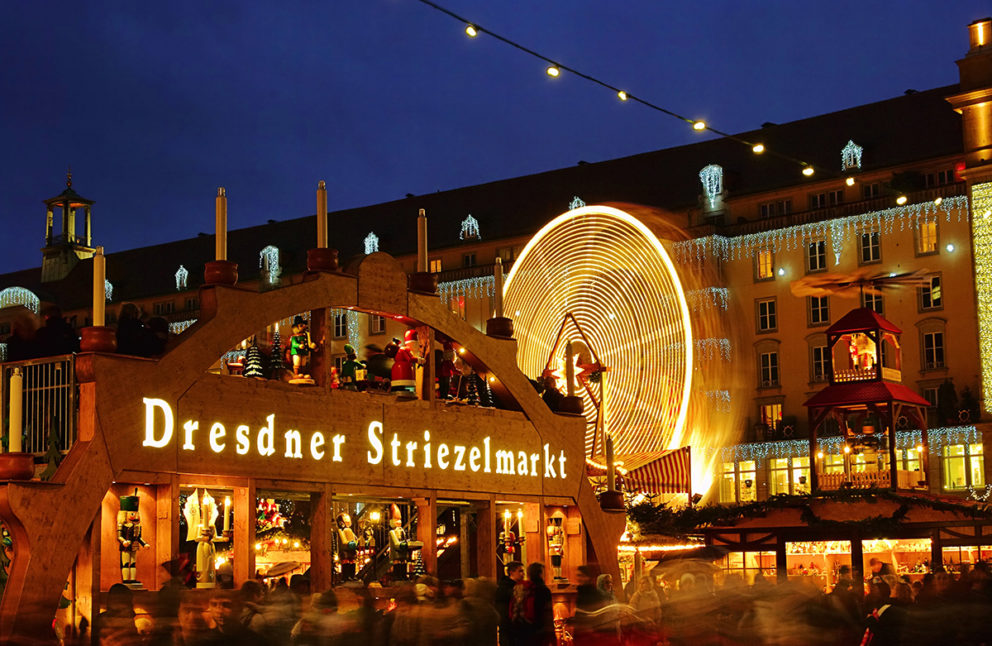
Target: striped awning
{"x":653,"y":471}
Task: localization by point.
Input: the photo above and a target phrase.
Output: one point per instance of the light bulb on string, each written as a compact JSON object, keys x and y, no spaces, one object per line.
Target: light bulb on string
{"x":757,"y":149}
{"x":553,"y":71}
{"x":699,"y":125}
{"x":622,"y":95}
{"x":471,"y":30}
{"x":849,"y":181}
{"x":808,"y":170}
{"x":901,"y":200}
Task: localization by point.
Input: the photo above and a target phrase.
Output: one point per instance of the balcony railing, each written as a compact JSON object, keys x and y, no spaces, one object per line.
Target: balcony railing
{"x":867,"y":479}
{"x":49,"y":402}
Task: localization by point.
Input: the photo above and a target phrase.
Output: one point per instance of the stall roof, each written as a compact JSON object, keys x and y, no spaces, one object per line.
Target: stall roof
{"x":862,"y":392}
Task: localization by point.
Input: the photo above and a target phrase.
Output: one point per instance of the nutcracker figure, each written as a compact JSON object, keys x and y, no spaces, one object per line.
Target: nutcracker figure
{"x":352,"y":370}
{"x":129,"y":539}
{"x":400,"y":548}
{"x":347,"y":546}
{"x":556,"y":542}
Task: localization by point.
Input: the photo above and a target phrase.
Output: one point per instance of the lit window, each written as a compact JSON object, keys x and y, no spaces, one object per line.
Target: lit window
{"x":871,"y":247}
{"x":931,"y":294}
{"x":340,"y":325}
{"x":766,"y":315}
{"x":769,"y":369}
{"x":750,"y":564}
{"x":728,"y":490}
{"x":926,"y":237}
{"x":746,"y":477}
{"x":771,"y":415}
{"x":778,"y":476}
{"x":933,"y":350}
{"x":833,"y":463}
{"x":819,"y":309}
{"x":800,"y":475}
{"x":377,"y":324}
{"x":764,"y":268}
{"x":816,"y":256}
{"x":963,"y":466}
{"x":435,"y":265}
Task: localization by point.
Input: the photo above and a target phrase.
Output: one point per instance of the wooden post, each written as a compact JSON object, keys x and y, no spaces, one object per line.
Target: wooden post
{"x":166,"y":527}
{"x":858,"y":564}
{"x":781,"y":562}
{"x":428,"y":385}
{"x":464,"y":542}
{"x":321,"y":554}
{"x":426,"y":526}
{"x":244,"y":533}
{"x":485,"y":538}
{"x":320,"y":359}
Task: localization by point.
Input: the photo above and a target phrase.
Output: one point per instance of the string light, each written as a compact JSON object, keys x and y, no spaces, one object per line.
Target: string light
{"x":850,"y":182}
{"x":950,"y":247}
{"x":808,"y":171}
{"x":902,"y":199}
{"x":981,"y":235}
{"x":554,"y":69}
{"x":596,"y":261}
{"x":20,"y":296}
{"x":937,"y":201}
{"x":757,"y":149}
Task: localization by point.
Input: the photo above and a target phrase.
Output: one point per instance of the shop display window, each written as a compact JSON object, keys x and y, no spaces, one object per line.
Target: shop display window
{"x":282,"y":533}
{"x":375,"y":539}
{"x":817,"y":562}
{"x":954,"y":557}
{"x":778,"y":476}
{"x":206,"y":516}
{"x":748,"y":565}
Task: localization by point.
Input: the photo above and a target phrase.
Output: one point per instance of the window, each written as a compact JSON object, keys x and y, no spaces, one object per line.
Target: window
{"x":766,"y":315}
{"x":192,"y":304}
{"x":764,"y":265}
{"x":435,"y":265}
{"x":871,"y":247}
{"x":748,"y":483}
{"x":816,"y":256}
{"x":773,"y":209}
{"x":339,"y":362}
{"x":163,"y":308}
{"x":819,"y":359}
{"x":869,"y":191}
{"x":908,"y":460}
{"x":800,"y":475}
{"x":939,"y":178}
{"x":769,"y":369}
{"x":506,"y":254}
{"x":340,"y":325}
{"x":931,"y":295}
{"x":926,"y":237}
{"x":750,"y":564}
{"x":833,"y":463}
{"x":818,"y":309}
{"x":4,"y":329}
{"x":933,"y":350}
{"x":828,"y":198}
{"x":377,"y":324}
{"x":963,"y":466}
{"x":873,"y":302}
{"x":778,"y":476}
{"x":728,"y":489}
{"x":468,"y":260}
{"x":930,"y":394}
{"x":771,"y":415}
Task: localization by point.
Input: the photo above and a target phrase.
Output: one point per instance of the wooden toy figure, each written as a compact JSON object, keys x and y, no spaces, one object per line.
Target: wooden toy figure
{"x":129,"y":538}
{"x":351,"y":369}
{"x":400,"y":548}
{"x":300,"y":345}
{"x":201,"y":519}
{"x":347,"y":546}
{"x":404,"y":364}
{"x":556,"y":542}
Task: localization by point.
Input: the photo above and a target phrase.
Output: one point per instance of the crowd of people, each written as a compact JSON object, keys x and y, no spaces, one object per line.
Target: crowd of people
{"x":520,"y":610}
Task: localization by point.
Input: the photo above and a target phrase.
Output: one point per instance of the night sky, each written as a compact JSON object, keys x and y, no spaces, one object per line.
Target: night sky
{"x":154,"y":105}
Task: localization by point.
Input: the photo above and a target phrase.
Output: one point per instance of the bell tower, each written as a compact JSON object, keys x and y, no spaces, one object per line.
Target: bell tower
{"x":62,"y":251}
{"x":974,"y":98}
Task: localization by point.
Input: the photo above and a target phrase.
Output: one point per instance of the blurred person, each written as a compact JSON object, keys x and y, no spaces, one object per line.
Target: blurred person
{"x":56,"y":336}
{"x":646,"y":601}
{"x":604,"y":583}
{"x":426,"y":589}
{"x":224,"y":613}
{"x":22,"y":343}
{"x":191,"y":625}
{"x":321,"y":624}
{"x":132,"y":337}
{"x":587,"y":595}
{"x":414,"y":620}
{"x":115,"y":625}
{"x":503,"y":597}
{"x":478,"y":611}
{"x":159,"y":338}
{"x":531,"y":614}
{"x":252,"y":609}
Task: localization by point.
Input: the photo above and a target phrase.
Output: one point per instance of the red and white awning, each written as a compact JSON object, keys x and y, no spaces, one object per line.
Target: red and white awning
{"x":653,"y":471}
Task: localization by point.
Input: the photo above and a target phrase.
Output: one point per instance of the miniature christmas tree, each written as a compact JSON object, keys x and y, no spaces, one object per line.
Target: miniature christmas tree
{"x":53,"y":456}
{"x":253,"y":362}
{"x":6,"y":554}
{"x":472,"y":390}
{"x":275,"y":361}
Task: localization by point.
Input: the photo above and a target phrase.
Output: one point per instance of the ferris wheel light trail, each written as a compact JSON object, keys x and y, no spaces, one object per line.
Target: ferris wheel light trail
{"x":610,"y":271}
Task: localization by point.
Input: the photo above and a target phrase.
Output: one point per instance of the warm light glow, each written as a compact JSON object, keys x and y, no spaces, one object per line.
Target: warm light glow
{"x":699,"y":125}
{"x":919,"y":449}
{"x":258,"y":546}
{"x":937,"y":201}
{"x":221,"y":560}
{"x":616,"y":265}
{"x":654,"y":547}
{"x":901,"y":200}
{"x":622,"y":95}
{"x":808,"y":171}
{"x":553,"y":71}
{"x":757,"y":149}
{"x":781,"y":271}
{"x":296,"y":544}
{"x":375,"y":516}
{"x":461,"y":350}
{"x":847,"y":449}
{"x":471,"y":31}
{"x":819,"y":455}
{"x":520,"y":514}
{"x":950,"y":247}
{"x":850,"y":181}
{"x":507,"y":514}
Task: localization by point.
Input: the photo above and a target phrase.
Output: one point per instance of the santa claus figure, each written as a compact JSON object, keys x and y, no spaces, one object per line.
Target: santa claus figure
{"x":404,"y":365}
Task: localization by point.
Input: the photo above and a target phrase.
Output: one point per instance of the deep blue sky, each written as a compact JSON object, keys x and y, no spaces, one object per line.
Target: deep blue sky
{"x":156,"y":104}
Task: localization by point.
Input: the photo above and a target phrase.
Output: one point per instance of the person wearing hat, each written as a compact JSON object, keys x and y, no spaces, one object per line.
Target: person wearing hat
{"x":300,"y":345}
{"x":129,"y":537}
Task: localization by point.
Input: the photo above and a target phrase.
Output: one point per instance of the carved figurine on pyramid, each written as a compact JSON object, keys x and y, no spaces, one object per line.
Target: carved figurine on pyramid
{"x":347,"y":546}
{"x":404,"y":365}
{"x":129,"y":539}
{"x":352,"y":370}
{"x":400,"y":547}
{"x":201,"y":519}
{"x":556,"y":542}
{"x":300,"y":346}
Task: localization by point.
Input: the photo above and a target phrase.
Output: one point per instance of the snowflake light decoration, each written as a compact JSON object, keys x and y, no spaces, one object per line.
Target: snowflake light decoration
{"x":470,"y":229}
{"x":268,"y":262}
{"x":850,"y":156}
{"x":181,"y":275}
{"x":371,"y":243}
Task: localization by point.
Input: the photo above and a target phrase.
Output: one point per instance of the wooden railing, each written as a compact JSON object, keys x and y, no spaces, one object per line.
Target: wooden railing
{"x":867,"y":479}
{"x":49,"y":402}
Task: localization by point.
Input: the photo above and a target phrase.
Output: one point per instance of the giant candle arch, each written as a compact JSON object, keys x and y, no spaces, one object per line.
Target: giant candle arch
{"x":610,"y":271}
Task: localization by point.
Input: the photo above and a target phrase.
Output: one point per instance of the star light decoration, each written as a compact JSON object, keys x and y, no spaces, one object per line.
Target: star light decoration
{"x":850,"y":156}
{"x":470,"y":229}
{"x":371,"y":243}
{"x":181,"y":275}
{"x":981,"y":236}
{"x":837,"y":231}
{"x":13,"y":296}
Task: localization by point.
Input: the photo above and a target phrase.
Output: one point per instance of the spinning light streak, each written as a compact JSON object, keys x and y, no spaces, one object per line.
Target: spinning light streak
{"x":605,"y":267}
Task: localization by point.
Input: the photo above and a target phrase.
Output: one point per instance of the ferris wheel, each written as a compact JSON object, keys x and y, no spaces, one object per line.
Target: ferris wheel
{"x":599,"y":278}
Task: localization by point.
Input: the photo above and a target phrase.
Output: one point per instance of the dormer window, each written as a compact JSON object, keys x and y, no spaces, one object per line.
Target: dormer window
{"x":371,"y":243}
{"x":470,"y":229}
{"x":850,"y":156}
{"x":576,"y":203}
{"x":268,"y":262}
{"x":182,"y":274}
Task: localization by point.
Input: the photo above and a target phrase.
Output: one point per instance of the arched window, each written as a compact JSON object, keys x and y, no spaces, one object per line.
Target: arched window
{"x":13,"y":296}
{"x":268,"y":262}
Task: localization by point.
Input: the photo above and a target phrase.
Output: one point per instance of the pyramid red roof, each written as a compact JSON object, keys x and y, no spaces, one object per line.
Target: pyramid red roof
{"x":864,"y":392}
{"x":861,"y":319}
